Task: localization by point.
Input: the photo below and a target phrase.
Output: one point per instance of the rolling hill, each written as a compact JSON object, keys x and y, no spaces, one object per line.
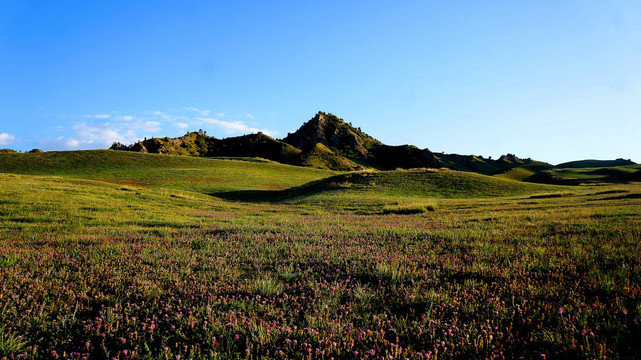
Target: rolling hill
{"x":372,"y":191}
{"x":525,"y":171}
{"x":258,"y":180}
{"x":197,"y":174}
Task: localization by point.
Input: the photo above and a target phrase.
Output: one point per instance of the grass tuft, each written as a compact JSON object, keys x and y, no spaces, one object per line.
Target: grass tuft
{"x":408,"y":209}
{"x":267,"y":286}
{"x":10,"y":344}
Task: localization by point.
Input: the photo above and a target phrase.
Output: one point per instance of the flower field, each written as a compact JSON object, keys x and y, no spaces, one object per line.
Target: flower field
{"x":98,"y":270}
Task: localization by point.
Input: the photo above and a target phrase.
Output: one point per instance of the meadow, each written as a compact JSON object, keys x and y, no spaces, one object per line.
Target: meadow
{"x":113,"y":255}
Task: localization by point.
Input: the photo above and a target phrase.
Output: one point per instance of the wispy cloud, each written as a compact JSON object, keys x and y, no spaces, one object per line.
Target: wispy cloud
{"x":85,"y":136}
{"x":200,"y":111}
{"x":151,"y":126}
{"x":164,"y":116}
{"x":234,"y":127}
{"x":102,"y":130}
{"x":6,"y":139}
{"x":204,"y":112}
{"x":102,"y":135}
{"x":98,"y":134}
{"x":96,"y":116}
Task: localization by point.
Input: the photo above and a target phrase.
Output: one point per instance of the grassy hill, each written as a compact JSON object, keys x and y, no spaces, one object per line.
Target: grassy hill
{"x":254,"y":179}
{"x":153,"y":170}
{"x":372,"y":191}
{"x":320,"y":157}
{"x":524,"y":172}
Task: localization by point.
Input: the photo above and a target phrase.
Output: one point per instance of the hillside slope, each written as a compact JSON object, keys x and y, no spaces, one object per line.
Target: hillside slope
{"x":368,"y":191}
{"x":320,"y":157}
{"x":203,"y":175}
{"x":525,"y":171}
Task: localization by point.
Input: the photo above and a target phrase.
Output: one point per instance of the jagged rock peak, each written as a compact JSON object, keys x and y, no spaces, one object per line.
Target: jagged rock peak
{"x":511,"y":158}
{"x":334,"y":133}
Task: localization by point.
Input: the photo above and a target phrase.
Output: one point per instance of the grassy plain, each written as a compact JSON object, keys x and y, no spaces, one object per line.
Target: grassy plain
{"x":132,"y":256}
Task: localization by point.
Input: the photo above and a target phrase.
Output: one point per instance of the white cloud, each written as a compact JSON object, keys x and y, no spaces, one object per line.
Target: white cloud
{"x":200,"y":111}
{"x":101,"y":134}
{"x":6,"y":139}
{"x":152,"y":126}
{"x":71,"y":143}
{"x":235,"y":127}
{"x":105,"y":129}
{"x":164,"y":116}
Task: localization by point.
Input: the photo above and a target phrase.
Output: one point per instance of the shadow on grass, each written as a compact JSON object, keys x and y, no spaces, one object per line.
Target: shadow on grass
{"x":623,"y":197}
{"x":257,"y":196}
{"x":276,"y":196}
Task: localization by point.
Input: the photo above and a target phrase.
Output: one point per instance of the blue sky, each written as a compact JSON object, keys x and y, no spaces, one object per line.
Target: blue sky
{"x":551,"y":80}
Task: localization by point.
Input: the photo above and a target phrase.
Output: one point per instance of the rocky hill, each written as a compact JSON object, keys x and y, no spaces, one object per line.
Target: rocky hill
{"x":353,"y":144}
{"x":334,"y":133}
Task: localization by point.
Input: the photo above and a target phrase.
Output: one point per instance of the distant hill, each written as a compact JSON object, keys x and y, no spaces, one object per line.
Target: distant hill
{"x":253,"y":145}
{"x":480,"y":164}
{"x":594,"y":163}
{"x":592,"y":175}
{"x":200,"y":144}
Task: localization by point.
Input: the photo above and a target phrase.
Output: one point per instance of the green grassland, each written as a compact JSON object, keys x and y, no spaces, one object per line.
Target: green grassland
{"x":107,"y":254}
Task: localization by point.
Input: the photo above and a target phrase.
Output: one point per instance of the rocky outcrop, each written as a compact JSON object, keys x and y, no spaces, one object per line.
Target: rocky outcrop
{"x":513,"y":159}
{"x":337,"y":135}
